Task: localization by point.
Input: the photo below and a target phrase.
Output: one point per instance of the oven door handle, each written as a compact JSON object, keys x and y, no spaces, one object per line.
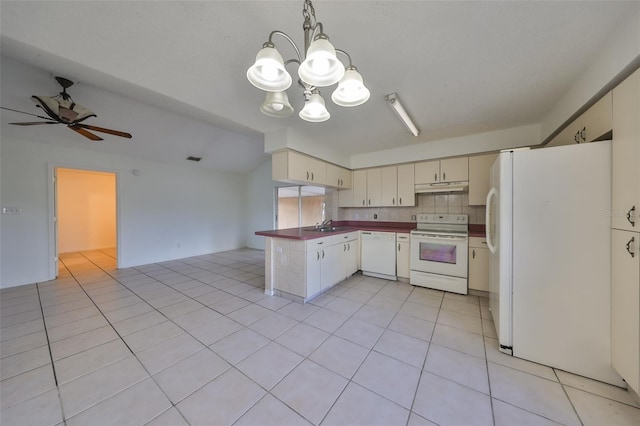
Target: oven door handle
{"x":420,"y":236}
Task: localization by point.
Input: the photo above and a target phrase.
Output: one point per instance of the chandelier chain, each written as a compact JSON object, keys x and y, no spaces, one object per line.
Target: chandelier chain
{"x":308,"y":11}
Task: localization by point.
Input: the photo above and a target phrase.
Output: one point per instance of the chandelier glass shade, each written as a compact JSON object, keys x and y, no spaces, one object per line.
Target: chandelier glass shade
{"x":314,"y":109}
{"x":318,"y":66}
{"x":276,"y":104}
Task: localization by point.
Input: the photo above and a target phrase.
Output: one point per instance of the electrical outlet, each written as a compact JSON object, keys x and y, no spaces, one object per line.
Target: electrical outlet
{"x":413,"y":217}
{"x":11,"y":210}
{"x":375,"y":215}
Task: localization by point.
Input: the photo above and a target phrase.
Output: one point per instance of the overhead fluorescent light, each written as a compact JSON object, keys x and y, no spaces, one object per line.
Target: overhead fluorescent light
{"x":393,"y":100}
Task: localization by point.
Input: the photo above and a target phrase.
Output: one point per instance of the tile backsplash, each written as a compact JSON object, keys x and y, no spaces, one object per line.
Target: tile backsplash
{"x":425,"y":203}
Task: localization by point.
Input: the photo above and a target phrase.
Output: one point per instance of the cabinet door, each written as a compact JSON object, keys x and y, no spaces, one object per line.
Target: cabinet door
{"x":338,"y":177}
{"x":389,"y":186}
{"x":454,"y":169}
{"x":373,"y":187}
{"x":402,"y":255}
{"x":427,"y":172}
{"x":351,"y":265}
{"x":597,"y":120}
{"x":330,"y":265}
{"x":313,"y":272}
{"x":317,"y":171}
{"x":625,"y":306}
{"x":479,"y":268}
{"x":626,"y":155}
{"x":565,"y":137}
{"x":406,"y":185}
{"x":479,"y":169}
{"x":299,"y":167}
{"x":359,"y":188}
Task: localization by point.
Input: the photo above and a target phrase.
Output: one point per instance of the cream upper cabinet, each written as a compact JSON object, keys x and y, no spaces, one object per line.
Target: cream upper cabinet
{"x":290,"y":166}
{"x":454,"y":169}
{"x":592,"y":125}
{"x":374,"y":187}
{"x":478,"y":264}
{"x":359,"y":188}
{"x":388,"y":186}
{"x":479,"y":170}
{"x":447,"y":170}
{"x":406,"y":182}
{"x":345,"y":198}
{"x":625,"y":201}
{"x":427,"y":172}
{"x":338,"y":177}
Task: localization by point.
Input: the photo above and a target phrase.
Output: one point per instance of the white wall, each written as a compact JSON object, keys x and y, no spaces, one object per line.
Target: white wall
{"x":260,"y":204}
{"x":86,"y":203}
{"x":167,"y":212}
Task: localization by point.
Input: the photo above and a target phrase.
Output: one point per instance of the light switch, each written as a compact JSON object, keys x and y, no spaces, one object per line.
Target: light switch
{"x":11,"y":210}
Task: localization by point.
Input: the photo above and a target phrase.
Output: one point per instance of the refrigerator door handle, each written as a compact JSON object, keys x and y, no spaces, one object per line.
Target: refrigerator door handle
{"x":492,"y":193}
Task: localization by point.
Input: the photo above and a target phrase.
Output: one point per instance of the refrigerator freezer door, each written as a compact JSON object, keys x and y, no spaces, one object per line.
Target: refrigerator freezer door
{"x":499,"y":227}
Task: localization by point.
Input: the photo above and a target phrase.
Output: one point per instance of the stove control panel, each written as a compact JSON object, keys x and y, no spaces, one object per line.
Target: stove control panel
{"x":461,"y":219}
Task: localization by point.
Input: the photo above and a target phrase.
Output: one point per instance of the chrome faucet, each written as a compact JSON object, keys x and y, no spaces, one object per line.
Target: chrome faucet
{"x":326,"y":223}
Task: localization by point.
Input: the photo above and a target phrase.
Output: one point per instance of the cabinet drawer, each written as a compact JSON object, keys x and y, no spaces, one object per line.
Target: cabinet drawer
{"x":478,"y":242}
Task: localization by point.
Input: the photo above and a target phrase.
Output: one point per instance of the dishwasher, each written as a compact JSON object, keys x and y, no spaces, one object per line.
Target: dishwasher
{"x":378,"y":254}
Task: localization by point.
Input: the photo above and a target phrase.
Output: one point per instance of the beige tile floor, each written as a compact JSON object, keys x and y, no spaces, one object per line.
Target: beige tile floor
{"x":196,"y":341}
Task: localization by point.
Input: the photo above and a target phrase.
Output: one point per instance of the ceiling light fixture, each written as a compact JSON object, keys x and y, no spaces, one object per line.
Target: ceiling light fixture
{"x":319,"y":67}
{"x":394,"y":102}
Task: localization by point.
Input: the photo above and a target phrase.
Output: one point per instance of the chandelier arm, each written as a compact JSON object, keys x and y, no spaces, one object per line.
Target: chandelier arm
{"x":289,"y":39}
{"x":347,"y":55}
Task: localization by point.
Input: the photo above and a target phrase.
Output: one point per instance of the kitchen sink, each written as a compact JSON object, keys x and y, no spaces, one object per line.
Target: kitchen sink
{"x":330,"y":229}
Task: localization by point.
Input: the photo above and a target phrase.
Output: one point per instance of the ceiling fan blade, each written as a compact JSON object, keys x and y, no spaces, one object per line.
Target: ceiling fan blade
{"x":85,"y":133}
{"x":28,"y":113}
{"x":33,"y":123}
{"x":103,"y":130}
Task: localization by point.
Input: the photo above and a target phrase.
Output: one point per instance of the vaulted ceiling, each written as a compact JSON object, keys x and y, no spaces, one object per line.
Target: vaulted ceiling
{"x":173,"y":73}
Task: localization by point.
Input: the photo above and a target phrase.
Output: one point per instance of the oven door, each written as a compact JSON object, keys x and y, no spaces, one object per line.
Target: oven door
{"x":439,"y":253}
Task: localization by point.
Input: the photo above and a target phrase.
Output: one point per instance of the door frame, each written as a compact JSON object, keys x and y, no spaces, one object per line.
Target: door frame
{"x":52,"y":211}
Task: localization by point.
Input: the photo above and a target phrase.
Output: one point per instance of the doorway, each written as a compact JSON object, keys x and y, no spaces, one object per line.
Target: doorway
{"x":85,"y":214}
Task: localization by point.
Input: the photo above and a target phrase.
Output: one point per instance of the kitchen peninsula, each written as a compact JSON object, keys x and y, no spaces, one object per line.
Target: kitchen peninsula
{"x":301,"y":263}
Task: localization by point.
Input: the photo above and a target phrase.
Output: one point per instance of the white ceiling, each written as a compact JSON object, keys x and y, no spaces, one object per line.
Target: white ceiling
{"x":458,"y":67}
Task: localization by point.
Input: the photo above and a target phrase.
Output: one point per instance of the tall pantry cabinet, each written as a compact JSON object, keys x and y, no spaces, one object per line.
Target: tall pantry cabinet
{"x":625,"y":233}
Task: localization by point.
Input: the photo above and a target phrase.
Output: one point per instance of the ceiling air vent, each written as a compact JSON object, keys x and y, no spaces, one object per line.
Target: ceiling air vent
{"x":192,"y":158}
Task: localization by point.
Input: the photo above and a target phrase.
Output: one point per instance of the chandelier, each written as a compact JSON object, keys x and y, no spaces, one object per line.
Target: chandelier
{"x":319,"y":67}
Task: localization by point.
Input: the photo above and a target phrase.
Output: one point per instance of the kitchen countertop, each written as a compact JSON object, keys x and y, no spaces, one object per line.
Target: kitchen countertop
{"x":477,"y":230}
{"x":344,"y":226}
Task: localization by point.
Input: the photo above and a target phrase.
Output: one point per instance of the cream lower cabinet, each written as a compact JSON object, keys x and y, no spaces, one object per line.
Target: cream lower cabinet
{"x":625,"y":301}
{"x":403,"y":245}
{"x":478,"y":264}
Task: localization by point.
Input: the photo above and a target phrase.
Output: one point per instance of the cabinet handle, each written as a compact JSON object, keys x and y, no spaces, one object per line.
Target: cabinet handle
{"x":323,"y":254}
{"x":393,"y":201}
{"x":629,"y":246}
{"x":435,"y":177}
{"x":311,"y":175}
{"x":473,"y":253}
{"x":444,"y":176}
{"x":583,"y":134}
{"x":630,"y":215}
{"x":345,"y":247}
{"x":369,"y":201}
{"x":307,"y":175}
{"x":317,"y":255}
{"x":575,"y":137}
{"x":363,"y":203}
{"x":400,"y":200}
{"x":398,"y":246}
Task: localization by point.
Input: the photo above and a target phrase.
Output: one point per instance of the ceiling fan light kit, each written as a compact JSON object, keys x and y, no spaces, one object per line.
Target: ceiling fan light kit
{"x":61,"y":109}
{"x":319,"y":67}
{"x":394,"y":102}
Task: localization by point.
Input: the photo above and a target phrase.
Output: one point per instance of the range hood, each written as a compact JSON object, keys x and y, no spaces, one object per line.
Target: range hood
{"x":441,"y":187}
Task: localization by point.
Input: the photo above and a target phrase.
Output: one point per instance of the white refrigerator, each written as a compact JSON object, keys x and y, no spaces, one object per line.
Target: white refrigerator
{"x":548,"y":231}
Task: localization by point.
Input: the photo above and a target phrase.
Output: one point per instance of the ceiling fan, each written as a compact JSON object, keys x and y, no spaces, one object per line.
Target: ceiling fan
{"x":61,"y":109}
